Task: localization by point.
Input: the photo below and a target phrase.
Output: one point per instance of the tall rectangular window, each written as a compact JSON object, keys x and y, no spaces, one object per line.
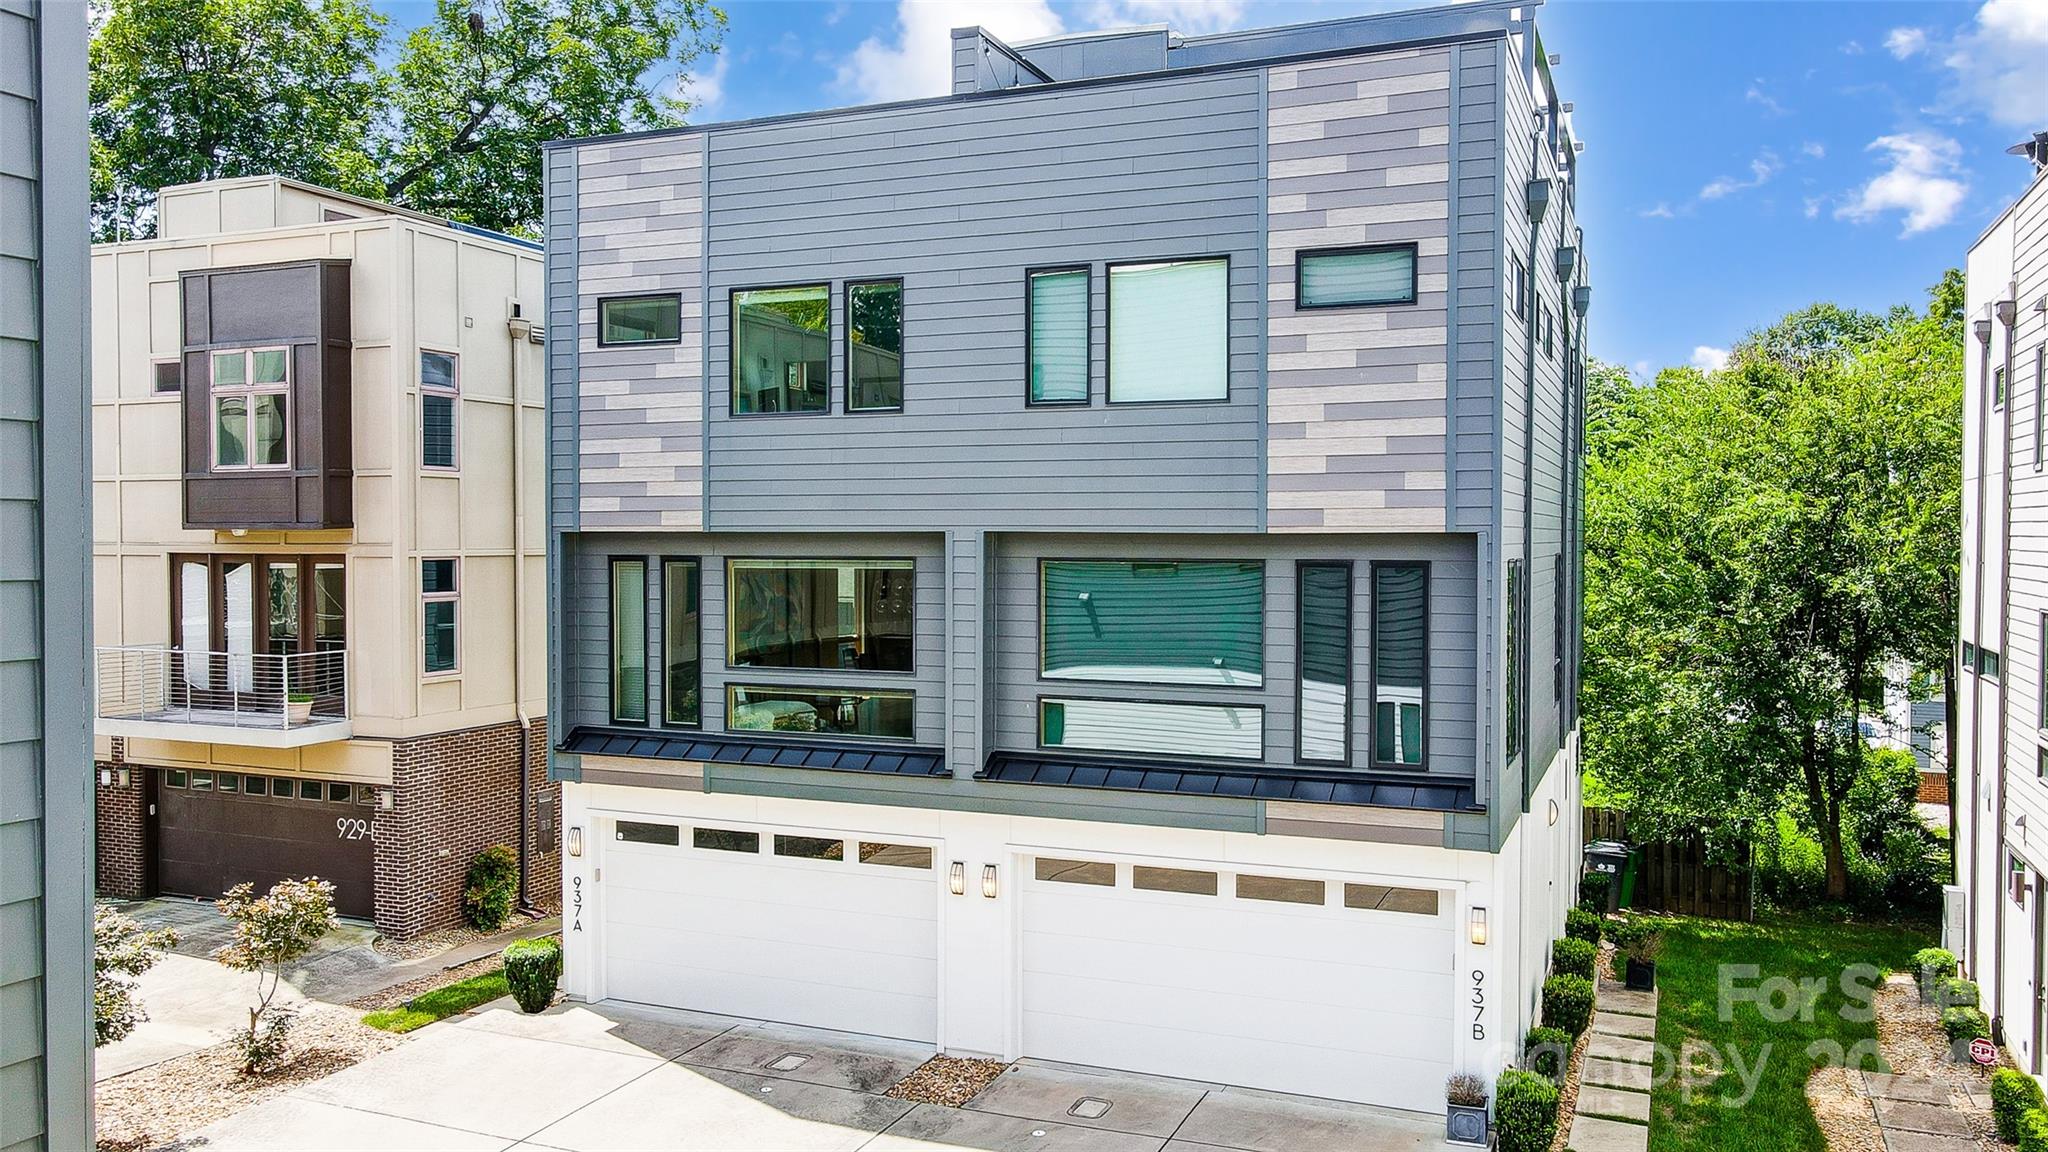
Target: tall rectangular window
{"x":439,"y":590}
{"x":1520,"y":288}
{"x":1557,"y":598}
{"x":437,"y":409}
{"x":781,"y":349}
{"x":281,"y":594}
{"x":850,"y":614}
{"x":1169,"y":331}
{"x":1153,"y":622}
{"x":1998,"y":387}
{"x":650,"y":319}
{"x":1056,"y":335}
{"x":1515,"y":704}
{"x":681,"y":628}
{"x":1400,"y":663}
{"x":251,"y":391}
{"x":874,"y":346}
{"x":1323,"y":638}
{"x":2040,"y":395}
{"x":1351,"y":277}
{"x":629,"y":641}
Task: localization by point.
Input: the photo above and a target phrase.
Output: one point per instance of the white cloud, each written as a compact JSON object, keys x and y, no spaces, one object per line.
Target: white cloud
{"x":1996,"y":66}
{"x":1761,"y":170}
{"x":920,"y":60}
{"x":1853,"y":48}
{"x":705,"y":87}
{"x":1813,"y":205}
{"x":1922,"y":180}
{"x":1193,"y":17}
{"x":1814,"y":149}
{"x":1661,"y":211}
{"x":1904,"y":42}
{"x":1708,"y":358}
{"x":1757,"y":95}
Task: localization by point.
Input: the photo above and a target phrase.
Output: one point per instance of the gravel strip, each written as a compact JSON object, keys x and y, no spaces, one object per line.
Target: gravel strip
{"x":1843,"y":1112}
{"x":155,"y":1106}
{"x":947,"y":1080}
{"x":398,"y":994}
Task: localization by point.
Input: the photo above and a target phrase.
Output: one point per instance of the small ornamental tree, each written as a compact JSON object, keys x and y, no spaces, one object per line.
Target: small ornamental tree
{"x":272,"y":931}
{"x":121,"y":951}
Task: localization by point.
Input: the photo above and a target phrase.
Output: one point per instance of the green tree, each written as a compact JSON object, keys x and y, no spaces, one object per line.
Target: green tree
{"x":1761,"y":540}
{"x":121,"y":951}
{"x":271,"y":931}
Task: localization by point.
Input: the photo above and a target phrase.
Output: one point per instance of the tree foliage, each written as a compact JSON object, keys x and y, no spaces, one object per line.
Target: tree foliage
{"x":1761,"y":541}
{"x":448,"y":121}
{"x":271,"y":931}
{"x":121,"y":951}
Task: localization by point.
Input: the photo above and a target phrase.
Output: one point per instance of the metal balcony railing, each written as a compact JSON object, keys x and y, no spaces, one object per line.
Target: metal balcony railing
{"x":222,"y":689}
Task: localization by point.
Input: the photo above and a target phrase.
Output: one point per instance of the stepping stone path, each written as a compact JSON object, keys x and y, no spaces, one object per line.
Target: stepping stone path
{"x":1614,"y":1083}
{"x":1919,"y":1114}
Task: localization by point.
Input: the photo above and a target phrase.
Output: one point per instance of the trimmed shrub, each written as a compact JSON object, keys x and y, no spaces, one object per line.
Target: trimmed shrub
{"x":531,"y":969}
{"x":1933,"y":964}
{"x":1593,"y":888}
{"x":1582,"y":924}
{"x":1958,"y":993}
{"x":1569,"y":957}
{"x":1639,"y":938}
{"x":492,"y":886}
{"x":1524,"y":1111}
{"x":2033,"y":1131}
{"x":1545,"y":1050}
{"x":1568,"y":1003}
{"x":2013,"y":1095}
{"x":1964,"y":1025}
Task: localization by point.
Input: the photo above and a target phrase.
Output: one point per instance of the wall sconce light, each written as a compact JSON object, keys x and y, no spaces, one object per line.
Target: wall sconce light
{"x":106,"y":777}
{"x":384,"y":800}
{"x":1553,"y":812}
{"x":1478,"y":925}
{"x":988,"y":881}
{"x":575,"y":841}
{"x":956,"y":878}
{"x":122,"y":775}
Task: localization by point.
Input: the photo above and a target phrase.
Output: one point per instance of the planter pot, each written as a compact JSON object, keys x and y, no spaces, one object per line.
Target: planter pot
{"x":298,"y":712}
{"x":1640,"y":976}
{"x":1465,"y":1124}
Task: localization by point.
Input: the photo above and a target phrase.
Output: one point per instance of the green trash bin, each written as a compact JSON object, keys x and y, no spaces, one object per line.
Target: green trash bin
{"x":1628,"y":878}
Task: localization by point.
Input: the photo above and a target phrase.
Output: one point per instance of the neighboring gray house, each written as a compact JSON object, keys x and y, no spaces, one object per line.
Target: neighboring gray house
{"x":1086,"y":567}
{"x":45,"y":722}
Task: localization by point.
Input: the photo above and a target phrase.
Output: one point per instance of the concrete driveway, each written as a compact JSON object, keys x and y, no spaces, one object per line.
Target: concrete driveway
{"x":625,"y":1077}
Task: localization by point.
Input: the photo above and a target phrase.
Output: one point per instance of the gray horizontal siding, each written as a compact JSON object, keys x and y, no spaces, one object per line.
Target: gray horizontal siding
{"x":1477,"y":216}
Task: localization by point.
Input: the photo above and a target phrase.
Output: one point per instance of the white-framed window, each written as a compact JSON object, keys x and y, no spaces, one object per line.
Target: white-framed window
{"x":251,"y":399}
{"x":440,"y":408}
{"x":166,"y":377}
{"x":440,"y":591}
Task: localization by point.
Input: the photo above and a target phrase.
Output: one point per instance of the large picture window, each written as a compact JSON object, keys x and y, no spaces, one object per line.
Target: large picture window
{"x":652,"y":319}
{"x":837,"y":614}
{"x":1153,"y":622}
{"x":682,"y":664}
{"x":874,"y":346}
{"x":1169,"y":331}
{"x":1056,"y":335}
{"x":1220,"y":731}
{"x":1323,"y":638}
{"x":820,"y":711}
{"x":782,"y":350}
{"x":629,"y":641}
{"x":1352,"y":277}
{"x":252,"y":408}
{"x":438,"y":394}
{"x":1400,"y":663}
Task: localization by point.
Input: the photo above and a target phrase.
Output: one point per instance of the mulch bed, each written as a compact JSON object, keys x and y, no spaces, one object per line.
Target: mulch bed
{"x":947,"y":1080}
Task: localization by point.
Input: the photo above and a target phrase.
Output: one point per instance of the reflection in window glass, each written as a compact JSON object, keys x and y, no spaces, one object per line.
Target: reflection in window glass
{"x":782,"y":354}
{"x":338,"y":793}
{"x":269,"y":437}
{"x":1058,"y":327}
{"x":1230,"y":731}
{"x":874,"y":346}
{"x":725,"y":840}
{"x":231,"y":428}
{"x":1173,"y":880}
{"x":438,"y":614}
{"x":267,"y":366}
{"x":1284,"y":889}
{"x":174,"y":778}
{"x":283,"y":594}
{"x":202,"y":781}
{"x":1094,"y":872}
{"x":819,"y":711}
{"x":1379,"y":897}
{"x":228,"y":782}
{"x":310,"y":790}
{"x":896,"y":855}
{"x":230,"y":369}
{"x":1191,"y":622}
{"x":629,"y":641}
{"x":1169,"y":331}
{"x":640,"y":320}
{"x":1400,"y":636}
{"x":1325,"y":646}
{"x":329,"y":608}
{"x":682,"y":684}
{"x":820,"y":614}
{"x":810,"y":847}
{"x":644,"y":832}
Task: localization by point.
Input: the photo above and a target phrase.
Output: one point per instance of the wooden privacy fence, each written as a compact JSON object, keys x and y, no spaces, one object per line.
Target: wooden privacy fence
{"x":1675,"y":875}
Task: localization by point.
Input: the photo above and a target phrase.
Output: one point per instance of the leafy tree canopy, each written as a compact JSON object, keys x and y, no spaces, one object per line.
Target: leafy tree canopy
{"x":448,"y":121}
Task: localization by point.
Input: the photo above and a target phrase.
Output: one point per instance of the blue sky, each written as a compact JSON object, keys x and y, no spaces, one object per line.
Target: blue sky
{"x":1742,"y":159}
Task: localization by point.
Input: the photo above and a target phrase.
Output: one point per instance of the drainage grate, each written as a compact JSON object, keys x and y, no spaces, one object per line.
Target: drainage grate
{"x":1089,"y":1108}
{"x":789,"y":1063}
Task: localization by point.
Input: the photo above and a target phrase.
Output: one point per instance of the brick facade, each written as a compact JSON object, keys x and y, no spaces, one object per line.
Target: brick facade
{"x":1933,"y":788}
{"x":453,"y":794}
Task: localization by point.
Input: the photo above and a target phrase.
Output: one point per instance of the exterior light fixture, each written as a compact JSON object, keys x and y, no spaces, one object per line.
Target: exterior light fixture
{"x":1478,"y":925}
{"x":384,"y":800}
{"x":956,"y":878}
{"x":106,"y":777}
{"x":1553,"y":812}
{"x":988,"y":881}
{"x":121,"y":774}
{"x":575,"y":841}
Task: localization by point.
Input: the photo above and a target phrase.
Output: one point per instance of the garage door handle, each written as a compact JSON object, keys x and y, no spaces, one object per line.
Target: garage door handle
{"x":152,"y":809}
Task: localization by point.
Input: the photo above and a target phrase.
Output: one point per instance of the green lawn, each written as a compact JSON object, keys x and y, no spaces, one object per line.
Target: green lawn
{"x":1704,"y":1110}
{"x":447,"y":1000}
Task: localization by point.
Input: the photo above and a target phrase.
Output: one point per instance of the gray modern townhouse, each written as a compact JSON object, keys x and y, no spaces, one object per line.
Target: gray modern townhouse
{"x":46,"y":813}
{"x":1085,"y":567}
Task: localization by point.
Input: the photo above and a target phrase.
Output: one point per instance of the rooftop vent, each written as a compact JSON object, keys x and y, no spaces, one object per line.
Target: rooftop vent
{"x":2035,"y":150}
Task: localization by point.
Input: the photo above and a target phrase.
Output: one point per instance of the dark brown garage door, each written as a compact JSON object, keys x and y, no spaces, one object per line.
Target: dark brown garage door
{"x":215,"y":830}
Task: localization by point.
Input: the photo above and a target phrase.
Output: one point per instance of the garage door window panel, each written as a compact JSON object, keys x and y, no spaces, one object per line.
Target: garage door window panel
{"x":1280,"y":889}
{"x":1383,"y":898}
{"x":1096,"y":872}
{"x":810,"y":847}
{"x":1153,"y":622}
{"x":1150,"y":879}
{"x":896,"y":855}
{"x":644,"y":832}
{"x":725,"y":840}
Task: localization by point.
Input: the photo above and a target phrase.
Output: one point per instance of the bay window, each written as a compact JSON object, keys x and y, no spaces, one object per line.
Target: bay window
{"x":1153,"y":622}
{"x":1169,"y":331}
{"x":826,"y":614}
{"x":251,"y":402}
{"x":781,"y":349}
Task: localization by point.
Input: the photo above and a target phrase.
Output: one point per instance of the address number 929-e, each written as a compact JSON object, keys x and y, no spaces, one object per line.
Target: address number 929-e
{"x":351,"y":828}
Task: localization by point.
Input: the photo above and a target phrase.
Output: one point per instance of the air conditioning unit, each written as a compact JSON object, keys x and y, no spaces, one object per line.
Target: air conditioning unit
{"x":1955,"y":919}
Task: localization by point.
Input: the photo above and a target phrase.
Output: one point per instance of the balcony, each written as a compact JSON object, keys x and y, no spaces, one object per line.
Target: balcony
{"x":256,"y":699}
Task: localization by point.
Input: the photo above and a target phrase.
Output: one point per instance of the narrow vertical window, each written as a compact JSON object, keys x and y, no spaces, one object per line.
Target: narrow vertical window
{"x":1400,"y":663}
{"x":1056,"y":335}
{"x":1323,"y":638}
{"x":683,"y":675}
{"x":438,"y":592}
{"x":1513,"y":705}
{"x":629,"y":641}
{"x":2040,"y":394}
{"x":1557,"y":627}
{"x":874,"y":346}
{"x":281,"y":591}
{"x":1998,"y":387}
{"x":437,"y":409}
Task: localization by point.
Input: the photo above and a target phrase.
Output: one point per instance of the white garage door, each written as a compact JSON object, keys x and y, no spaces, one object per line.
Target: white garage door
{"x":1311,"y":985}
{"x":827,"y":929}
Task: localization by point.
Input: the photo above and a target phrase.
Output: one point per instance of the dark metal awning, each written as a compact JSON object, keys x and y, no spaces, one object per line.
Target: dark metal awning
{"x":885,"y":759}
{"x":1375,"y":790}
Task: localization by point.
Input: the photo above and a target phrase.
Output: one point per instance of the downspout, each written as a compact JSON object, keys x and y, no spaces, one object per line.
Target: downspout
{"x":1979,"y":966}
{"x":521,"y":331}
{"x":1535,"y":213}
{"x":2006,"y":313}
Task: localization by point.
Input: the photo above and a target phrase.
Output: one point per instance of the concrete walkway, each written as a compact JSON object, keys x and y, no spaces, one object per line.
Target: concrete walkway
{"x":610,"y":1076}
{"x":1614,"y":1085}
{"x":1920,"y":1114}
